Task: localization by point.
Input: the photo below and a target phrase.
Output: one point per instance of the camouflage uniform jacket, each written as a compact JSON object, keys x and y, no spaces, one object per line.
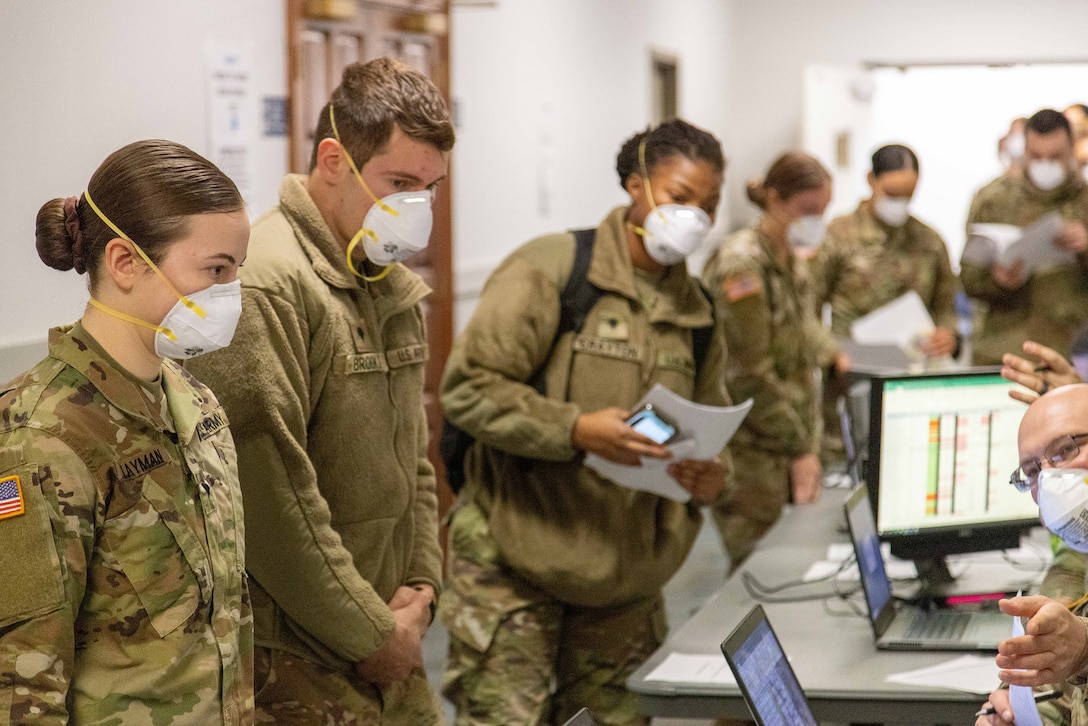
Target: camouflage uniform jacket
{"x":124,"y":596}
{"x":1067,"y":580}
{"x":1053,"y":303}
{"x":323,"y":383}
{"x":558,"y":524}
{"x":863,"y":264}
{"x":774,"y":341}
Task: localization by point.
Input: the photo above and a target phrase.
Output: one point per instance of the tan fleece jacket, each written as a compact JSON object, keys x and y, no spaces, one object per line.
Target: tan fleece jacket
{"x":323,"y":384}
{"x":559,"y":524}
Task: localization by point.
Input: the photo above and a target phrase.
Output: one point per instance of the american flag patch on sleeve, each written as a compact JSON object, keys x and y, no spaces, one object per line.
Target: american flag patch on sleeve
{"x":741,"y":286}
{"x":11,"y":497}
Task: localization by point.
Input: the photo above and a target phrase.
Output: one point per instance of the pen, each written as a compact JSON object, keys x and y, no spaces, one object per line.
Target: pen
{"x":1042,"y":368}
{"x":1039,"y":698}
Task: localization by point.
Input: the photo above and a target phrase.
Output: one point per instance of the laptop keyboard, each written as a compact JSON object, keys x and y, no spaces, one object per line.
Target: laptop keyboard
{"x":938,"y":625}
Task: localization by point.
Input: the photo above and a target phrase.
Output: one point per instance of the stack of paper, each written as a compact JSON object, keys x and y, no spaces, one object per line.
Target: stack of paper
{"x":1005,"y":244}
{"x":902,"y":323}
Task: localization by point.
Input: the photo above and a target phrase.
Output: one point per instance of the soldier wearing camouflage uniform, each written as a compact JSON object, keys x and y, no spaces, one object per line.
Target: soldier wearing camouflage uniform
{"x":324,"y":387}
{"x":554,"y":572}
{"x":1051,"y":304}
{"x":880,"y":251}
{"x":873,"y":256}
{"x":121,"y":526}
{"x":765,"y":297}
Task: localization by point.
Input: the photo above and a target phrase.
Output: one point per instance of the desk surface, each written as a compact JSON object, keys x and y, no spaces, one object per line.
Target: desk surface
{"x":835,"y":658}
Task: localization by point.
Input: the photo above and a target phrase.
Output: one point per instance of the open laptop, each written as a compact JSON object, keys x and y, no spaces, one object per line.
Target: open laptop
{"x":900,"y":626}
{"x":766,"y":679}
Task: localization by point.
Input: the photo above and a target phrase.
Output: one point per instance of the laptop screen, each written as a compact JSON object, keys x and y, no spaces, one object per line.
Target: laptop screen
{"x":874,"y":578}
{"x":764,"y":674}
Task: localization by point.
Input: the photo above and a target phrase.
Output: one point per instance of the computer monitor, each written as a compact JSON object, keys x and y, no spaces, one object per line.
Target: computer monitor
{"x":941,"y":449}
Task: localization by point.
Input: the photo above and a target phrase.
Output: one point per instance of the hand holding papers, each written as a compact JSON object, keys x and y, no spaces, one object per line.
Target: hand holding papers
{"x":901,"y":322}
{"x":1006,"y":244}
{"x":704,"y":432}
{"x":1022,"y":698}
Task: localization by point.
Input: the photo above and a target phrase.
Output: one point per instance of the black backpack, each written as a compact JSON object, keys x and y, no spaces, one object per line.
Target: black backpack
{"x":577,"y":299}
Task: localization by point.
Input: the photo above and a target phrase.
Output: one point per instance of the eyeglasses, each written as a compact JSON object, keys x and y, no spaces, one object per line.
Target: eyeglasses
{"x":1061,"y":450}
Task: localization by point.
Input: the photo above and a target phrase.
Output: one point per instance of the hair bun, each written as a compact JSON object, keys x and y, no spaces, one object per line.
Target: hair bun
{"x":757,"y":193}
{"x":58,"y":235}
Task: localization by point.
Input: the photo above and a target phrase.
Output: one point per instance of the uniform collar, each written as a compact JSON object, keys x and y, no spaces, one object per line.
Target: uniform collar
{"x":771,"y":252}
{"x":1064,"y":191}
{"x":680,"y":301}
{"x":401,"y":287}
{"x":173,"y":410}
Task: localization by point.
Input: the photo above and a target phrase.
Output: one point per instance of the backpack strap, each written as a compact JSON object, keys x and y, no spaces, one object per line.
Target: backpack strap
{"x":577,"y":298}
{"x":701,"y":337}
{"x":579,"y":294}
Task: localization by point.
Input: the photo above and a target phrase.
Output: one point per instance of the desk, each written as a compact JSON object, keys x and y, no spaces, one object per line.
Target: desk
{"x":836,"y":661}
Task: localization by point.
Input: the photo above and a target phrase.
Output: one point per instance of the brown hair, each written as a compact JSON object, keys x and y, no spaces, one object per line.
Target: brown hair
{"x":372,"y":98}
{"x":148,"y":189}
{"x":792,"y":173}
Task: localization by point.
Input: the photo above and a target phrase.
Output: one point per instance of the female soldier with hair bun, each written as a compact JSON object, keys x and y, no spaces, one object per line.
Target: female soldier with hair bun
{"x":554,"y":572}
{"x":764,"y":295}
{"x":121,"y":533}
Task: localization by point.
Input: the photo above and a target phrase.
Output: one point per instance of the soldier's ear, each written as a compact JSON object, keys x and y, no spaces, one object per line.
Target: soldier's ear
{"x":635,"y":187}
{"x":121,"y":263}
{"x":331,"y":163}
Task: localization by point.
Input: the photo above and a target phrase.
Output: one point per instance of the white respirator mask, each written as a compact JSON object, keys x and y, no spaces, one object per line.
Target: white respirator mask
{"x":1063,"y":505}
{"x":395,"y":227}
{"x":670,"y":232}
{"x":1046,"y":174}
{"x":892,"y":211}
{"x":807,"y":232}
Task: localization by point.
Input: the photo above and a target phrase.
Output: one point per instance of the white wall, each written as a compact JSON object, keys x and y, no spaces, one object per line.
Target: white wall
{"x":773,"y":40}
{"x":545,"y":93}
{"x":81,"y":79}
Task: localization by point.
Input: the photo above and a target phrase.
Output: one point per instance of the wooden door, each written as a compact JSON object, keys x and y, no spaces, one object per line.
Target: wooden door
{"x":327,"y":35}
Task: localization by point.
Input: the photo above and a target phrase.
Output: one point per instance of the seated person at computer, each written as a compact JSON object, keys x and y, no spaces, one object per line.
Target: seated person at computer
{"x":1054,"y":649}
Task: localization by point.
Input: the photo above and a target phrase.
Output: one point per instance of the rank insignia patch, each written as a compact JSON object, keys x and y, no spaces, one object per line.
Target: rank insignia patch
{"x":11,"y":497}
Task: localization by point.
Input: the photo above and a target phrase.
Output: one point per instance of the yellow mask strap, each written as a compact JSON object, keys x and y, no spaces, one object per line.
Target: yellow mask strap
{"x":381,"y":205}
{"x":351,"y":263}
{"x":184,"y":300}
{"x":646,"y":183}
{"x":355,"y":170}
{"x":128,"y":318}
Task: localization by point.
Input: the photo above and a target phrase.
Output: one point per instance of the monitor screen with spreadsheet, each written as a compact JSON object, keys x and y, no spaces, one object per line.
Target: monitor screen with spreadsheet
{"x":941,"y":450}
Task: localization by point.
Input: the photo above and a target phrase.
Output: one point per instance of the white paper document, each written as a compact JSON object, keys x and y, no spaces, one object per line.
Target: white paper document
{"x":987,"y":242}
{"x":902,"y":322}
{"x":703,"y":433}
{"x":1022,"y":698}
{"x":970,"y":673}
{"x":1033,"y":245}
{"x":689,"y":668}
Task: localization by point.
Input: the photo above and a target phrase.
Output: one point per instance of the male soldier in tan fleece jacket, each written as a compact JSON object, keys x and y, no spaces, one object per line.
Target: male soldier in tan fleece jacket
{"x":324,"y":388}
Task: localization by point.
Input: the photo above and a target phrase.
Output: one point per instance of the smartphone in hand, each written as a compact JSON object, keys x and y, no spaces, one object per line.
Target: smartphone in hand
{"x":652,"y":424}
